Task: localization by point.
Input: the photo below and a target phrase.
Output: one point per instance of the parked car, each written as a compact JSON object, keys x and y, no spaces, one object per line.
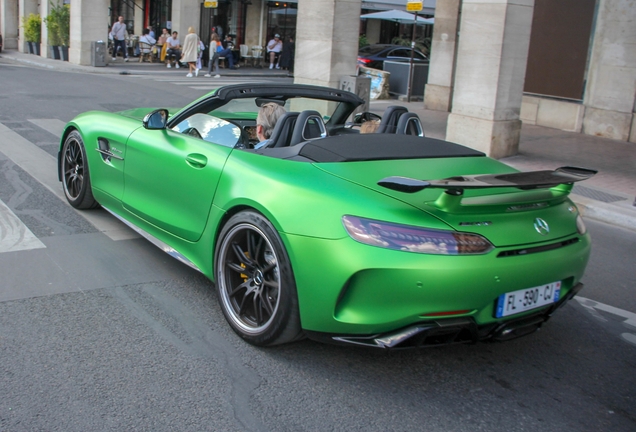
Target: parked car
{"x":385,"y":240}
{"x":373,"y":56}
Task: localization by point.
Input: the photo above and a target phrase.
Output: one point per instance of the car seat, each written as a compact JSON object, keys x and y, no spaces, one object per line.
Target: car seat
{"x":282,"y":133}
{"x":309,"y":126}
{"x":390,"y":119}
{"x":410,"y":124}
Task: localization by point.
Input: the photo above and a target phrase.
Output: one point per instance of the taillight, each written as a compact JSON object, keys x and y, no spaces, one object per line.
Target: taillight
{"x":414,"y":239}
{"x":364,"y":60}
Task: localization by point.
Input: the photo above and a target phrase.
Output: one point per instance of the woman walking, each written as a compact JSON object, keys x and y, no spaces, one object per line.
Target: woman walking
{"x":191,"y":52}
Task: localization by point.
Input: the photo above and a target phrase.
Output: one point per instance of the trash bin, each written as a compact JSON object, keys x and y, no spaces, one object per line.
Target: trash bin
{"x":399,"y":79}
{"x":98,"y":53}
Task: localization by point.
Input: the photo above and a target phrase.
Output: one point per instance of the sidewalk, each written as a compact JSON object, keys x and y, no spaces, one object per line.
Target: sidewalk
{"x":134,"y":67}
{"x":610,"y":196}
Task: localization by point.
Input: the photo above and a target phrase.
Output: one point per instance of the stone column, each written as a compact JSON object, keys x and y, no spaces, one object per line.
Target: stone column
{"x":9,"y":24}
{"x":185,"y":13}
{"x":25,"y":7}
{"x":439,"y":89}
{"x":89,"y":23}
{"x":139,"y":18}
{"x":326,"y":41}
{"x":255,"y":25}
{"x":45,"y":52}
{"x":491,"y":62}
{"x":611,"y":81}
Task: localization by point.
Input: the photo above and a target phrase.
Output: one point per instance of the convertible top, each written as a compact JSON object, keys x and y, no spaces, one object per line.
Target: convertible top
{"x":365,"y":147}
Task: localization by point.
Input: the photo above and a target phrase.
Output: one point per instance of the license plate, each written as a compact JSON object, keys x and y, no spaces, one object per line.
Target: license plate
{"x":527,"y":299}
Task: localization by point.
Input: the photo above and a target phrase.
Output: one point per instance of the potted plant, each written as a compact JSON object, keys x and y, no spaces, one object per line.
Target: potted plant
{"x":52,"y":22}
{"x":64,"y":29}
{"x":32,"y":25}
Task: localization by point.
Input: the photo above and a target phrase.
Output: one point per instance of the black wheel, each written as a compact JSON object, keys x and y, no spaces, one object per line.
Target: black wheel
{"x":255,"y":282}
{"x":75,"y":175}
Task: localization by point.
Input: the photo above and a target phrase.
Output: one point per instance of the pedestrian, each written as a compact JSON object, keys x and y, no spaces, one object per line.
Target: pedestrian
{"x":151,"y":32}
{"x":0,"y":42}
{"x":274,"y":47}
{"x":287,"y":55}
{"x":119,"y":33}
{"x":191,"y":52}
{"x":200,"y":56}
{"x":215,"y":48}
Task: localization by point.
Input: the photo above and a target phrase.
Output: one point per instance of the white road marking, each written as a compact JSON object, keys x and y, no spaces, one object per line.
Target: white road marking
{"x":14,"y":235}
{"x":43,"y":167}
{"x":630,"y":318}
{"x":54,"y":126}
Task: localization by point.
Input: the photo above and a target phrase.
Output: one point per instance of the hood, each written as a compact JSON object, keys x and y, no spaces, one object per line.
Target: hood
{"x":504,"y":215}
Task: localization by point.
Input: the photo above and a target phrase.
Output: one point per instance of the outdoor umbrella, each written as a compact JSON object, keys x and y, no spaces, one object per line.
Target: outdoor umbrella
{"x":398,"y":16}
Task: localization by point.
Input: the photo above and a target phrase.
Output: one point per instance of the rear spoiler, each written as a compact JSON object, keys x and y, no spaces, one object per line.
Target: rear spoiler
{"x":521,"y":180}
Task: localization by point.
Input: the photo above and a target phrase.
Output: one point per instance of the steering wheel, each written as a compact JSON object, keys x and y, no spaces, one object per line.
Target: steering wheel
{"x":365,"y":116}
{"x":244,"y":140}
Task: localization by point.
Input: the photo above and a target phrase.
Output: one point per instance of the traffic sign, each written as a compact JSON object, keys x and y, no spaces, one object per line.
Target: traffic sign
{"x":414,"y":5}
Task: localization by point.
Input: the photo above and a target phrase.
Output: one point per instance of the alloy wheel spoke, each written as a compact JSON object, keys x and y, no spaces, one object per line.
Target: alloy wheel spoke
{"x":236,"y":267}
{"x":270,"y":283}
{"x":269,"y":267}
{"x":244,"y":285}
{"x":269,"y":308}
{"x":258,"y":310}
{"x":254,"y":245}
{"x":238,"y":251}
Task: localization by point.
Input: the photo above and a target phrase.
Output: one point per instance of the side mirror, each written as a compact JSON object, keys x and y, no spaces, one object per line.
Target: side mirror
{"x":156,"y":119}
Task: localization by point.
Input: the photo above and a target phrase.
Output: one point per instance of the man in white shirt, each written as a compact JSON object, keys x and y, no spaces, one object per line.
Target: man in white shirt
{"x":274,"y":47}
{"x":119,"y":33}
{"x":174,"y":48}
{"x":147,"y":38}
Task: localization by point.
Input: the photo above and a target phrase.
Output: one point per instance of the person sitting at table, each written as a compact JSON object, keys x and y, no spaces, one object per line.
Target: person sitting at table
{"x":228,"y":43}
{"x":274,"y":47}
{"x":147,"y":39}
{"x":174,"y":48}
{"x":227,"y":53}
{"x":162,"y":43}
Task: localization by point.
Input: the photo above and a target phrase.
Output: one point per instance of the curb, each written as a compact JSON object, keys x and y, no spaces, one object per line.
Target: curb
{"x":124,"y":68}
{"x":603,"y":212}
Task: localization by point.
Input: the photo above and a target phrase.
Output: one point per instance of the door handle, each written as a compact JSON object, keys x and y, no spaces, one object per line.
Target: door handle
{"x":196,"y":160}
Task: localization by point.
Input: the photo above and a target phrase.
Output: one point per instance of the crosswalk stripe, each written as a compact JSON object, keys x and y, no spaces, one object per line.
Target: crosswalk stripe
{"x":14,"y":235}
{"x":43,"y":167}
{"x":53,"y":126}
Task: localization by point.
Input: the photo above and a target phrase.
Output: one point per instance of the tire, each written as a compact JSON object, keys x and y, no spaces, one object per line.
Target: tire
{"x":255,"y":282}
{"x":75,"y":174}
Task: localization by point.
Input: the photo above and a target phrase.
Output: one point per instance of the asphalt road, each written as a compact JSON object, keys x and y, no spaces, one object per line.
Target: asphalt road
{"x":99,"y":330}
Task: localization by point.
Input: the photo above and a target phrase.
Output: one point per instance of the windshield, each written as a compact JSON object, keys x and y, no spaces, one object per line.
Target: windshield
{"x":210,"y":129}
{"x":247,"y":108}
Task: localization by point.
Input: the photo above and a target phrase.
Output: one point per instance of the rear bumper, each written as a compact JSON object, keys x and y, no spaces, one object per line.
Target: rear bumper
{"x":450,"y":331}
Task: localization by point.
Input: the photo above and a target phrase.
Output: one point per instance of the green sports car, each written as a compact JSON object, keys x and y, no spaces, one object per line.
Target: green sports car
{"x":388,"y":239}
